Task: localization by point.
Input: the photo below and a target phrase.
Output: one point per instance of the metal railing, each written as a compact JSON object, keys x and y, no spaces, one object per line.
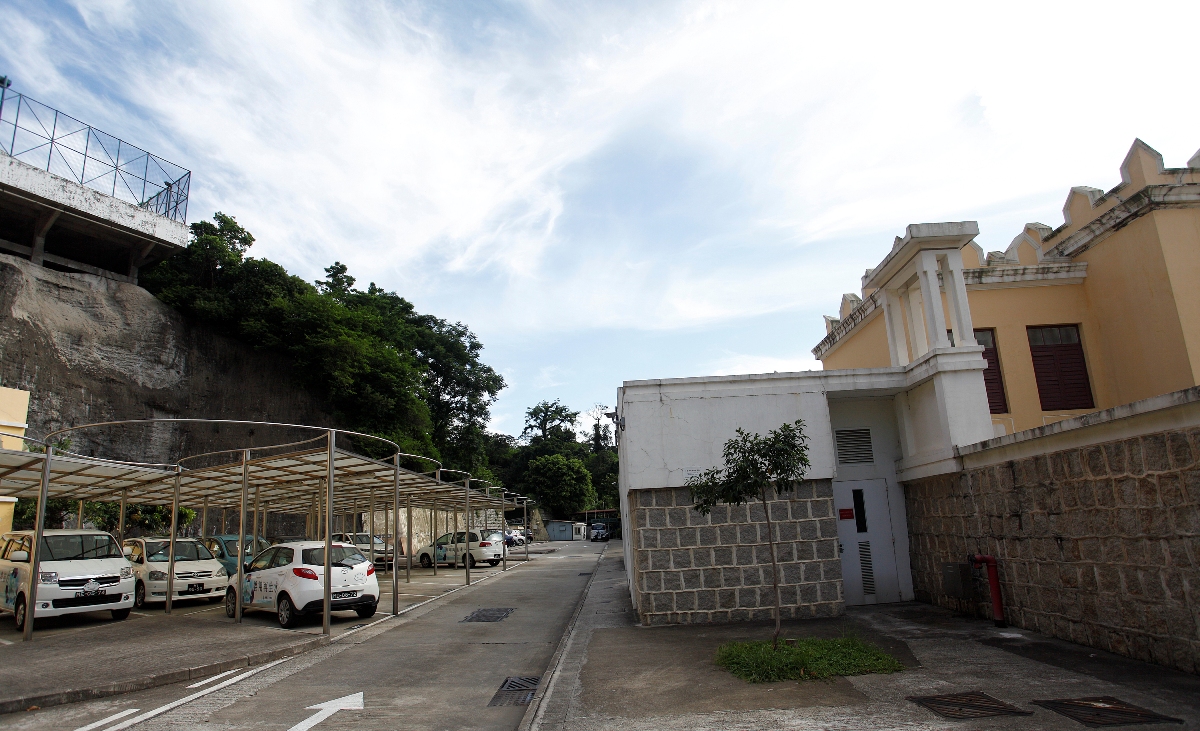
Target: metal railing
{"x":46,"y":138}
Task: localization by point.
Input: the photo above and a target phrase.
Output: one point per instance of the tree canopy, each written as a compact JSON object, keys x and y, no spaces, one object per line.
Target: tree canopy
{"x":382,"y":367}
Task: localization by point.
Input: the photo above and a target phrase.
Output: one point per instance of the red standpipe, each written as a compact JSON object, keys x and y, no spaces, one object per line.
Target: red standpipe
{"x":993,"y":583}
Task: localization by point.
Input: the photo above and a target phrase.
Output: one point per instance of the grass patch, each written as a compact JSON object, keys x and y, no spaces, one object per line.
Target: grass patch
{"x":809,"y":658}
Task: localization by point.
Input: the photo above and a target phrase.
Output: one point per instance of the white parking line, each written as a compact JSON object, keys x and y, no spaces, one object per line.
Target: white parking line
{"x":110,"y":719}
{"x":5,"y":642}
{"x":188,"y":699}
{"x":206,"y":681}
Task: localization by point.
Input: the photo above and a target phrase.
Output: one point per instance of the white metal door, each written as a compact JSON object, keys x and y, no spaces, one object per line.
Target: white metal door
{"x":866,"y":542}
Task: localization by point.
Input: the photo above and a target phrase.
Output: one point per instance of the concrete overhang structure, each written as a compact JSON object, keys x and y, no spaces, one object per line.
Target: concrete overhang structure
{"x":59,"y":223}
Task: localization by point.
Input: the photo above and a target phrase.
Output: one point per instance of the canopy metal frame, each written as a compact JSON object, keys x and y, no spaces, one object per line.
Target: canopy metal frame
{"x":290,"y":477}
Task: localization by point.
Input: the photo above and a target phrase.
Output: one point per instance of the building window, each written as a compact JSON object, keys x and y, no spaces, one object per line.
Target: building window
{"x":993,"y":381}
{"x":1060,"y":369}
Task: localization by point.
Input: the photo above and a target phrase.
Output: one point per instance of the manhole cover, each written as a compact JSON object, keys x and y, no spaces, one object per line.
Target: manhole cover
{"x":967,"y":705}
{"x":1104,"y":711}
{"x":494,"y":614}
{"x":515,"y":691}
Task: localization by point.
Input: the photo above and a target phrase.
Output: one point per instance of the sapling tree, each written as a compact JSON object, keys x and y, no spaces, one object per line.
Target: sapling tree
{"x":754,"y":467}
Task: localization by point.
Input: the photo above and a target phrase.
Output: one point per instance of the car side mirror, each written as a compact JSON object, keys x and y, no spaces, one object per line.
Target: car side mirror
{"x":126,"y":551}
{"x":19,"y":556}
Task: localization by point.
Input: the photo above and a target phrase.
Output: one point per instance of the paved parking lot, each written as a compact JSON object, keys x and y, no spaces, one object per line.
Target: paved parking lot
{"x":426,"y":669}
{"x":88,"y":651}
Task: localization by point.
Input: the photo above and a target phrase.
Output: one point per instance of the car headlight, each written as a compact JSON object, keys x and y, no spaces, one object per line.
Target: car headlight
{"x":158,"y":575}
{"x":126,"y":573}
{"x":48,"y":577}
{"x":219,"y":572}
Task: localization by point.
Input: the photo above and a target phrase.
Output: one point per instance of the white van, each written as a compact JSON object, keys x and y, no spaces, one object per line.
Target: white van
{"x":80,"y":571}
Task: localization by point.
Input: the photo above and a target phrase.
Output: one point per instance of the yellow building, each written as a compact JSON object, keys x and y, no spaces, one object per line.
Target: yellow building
{"x":1099,"y":312}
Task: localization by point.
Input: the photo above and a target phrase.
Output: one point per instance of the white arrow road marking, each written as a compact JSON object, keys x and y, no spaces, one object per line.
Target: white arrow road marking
{"x":188,"y":699}
{"x":206,"y":681}
{"x":110,"y":719}
{"x":324,"y":710}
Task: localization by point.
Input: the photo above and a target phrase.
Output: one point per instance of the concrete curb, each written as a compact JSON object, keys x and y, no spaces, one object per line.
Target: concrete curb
{"x":544,"y":689}
{"x":203,"y":671}
{"x":156,"y":680}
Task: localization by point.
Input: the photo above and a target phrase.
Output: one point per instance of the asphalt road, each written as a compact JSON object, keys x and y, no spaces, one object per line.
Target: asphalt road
{"x":425,"y":670}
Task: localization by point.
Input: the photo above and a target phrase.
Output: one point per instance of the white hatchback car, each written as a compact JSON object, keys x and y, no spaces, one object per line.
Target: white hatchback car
{"x":198,"y":574}
{"x":450,"y":549}
{"x":80,"y":571}
{"x":289,"y":579}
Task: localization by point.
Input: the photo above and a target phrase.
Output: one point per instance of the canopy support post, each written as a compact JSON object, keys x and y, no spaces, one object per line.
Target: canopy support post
{"x":407,"y":534}
{"x":121,"y":519}
{"x":329,"y":467}
{"x":35,"y":559}
{"x":371,"y":524}
{"x":467,"y":534}
{"x":241,"y":544}
{"x":527,"y":537}
{"x":204,"y":520}
{"x":174,"y":532}
{"x":395,"y":535}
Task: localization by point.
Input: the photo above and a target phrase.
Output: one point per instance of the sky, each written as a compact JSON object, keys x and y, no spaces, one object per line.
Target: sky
{"x":610,"y":191}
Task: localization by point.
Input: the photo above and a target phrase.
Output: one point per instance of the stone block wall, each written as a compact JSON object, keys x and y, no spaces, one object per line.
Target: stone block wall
{"x":1098,"y":545}
{"x":693,"y":568}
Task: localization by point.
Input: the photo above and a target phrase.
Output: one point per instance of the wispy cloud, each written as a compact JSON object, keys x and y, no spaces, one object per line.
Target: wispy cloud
{"x":535,"y":168}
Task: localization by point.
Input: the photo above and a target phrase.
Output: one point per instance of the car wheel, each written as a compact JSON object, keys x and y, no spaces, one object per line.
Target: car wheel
{"x":425,"y":562}
{"x":120,"y":614}
{"x":470,"y":562}
{"x":493,"y":563}
{"x":365,"y":612}
{"x":287,"y":613}
{"x":139,"y":595}
{"x":231,"y":604}
{"x":19,"y":613}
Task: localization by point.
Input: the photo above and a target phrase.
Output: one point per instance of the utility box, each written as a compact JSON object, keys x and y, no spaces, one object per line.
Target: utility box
{"x":958,"y":581}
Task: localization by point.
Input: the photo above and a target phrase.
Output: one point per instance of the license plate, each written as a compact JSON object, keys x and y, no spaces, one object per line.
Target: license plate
{"x":195,"y":589}
{"x":98,"y":592}
{"x":344,"y":594}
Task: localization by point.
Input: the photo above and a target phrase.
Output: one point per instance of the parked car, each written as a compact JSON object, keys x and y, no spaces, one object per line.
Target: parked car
{"x":198,"y":574}
{"x":289,"y":579}
{"x":224,"y":549}
{"x":450,"y":549}
{"x":363,"y":541}
{"x":79,"y":571}
{"x":600,"y":532}
{"x":518,"y":537}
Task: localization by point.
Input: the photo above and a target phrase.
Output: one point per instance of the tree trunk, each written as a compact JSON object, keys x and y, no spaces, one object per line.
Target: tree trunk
{"x":774,"y":568}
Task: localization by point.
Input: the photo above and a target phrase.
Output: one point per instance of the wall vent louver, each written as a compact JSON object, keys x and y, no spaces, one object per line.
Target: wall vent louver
{"x":868,"y":567}
{"x":854,"y":446}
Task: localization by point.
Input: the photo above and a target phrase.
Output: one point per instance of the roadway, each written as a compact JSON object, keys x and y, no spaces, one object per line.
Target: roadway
{"x":426,"y":669}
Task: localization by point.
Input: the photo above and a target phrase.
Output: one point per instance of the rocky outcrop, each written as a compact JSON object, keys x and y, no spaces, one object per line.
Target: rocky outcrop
{"x":91,"y":349}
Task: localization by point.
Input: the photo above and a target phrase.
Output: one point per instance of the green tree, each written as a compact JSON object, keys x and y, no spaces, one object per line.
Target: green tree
{"x":560,"y":485}
{"x":549,"y":419}
{"x":754,"y":466}
{"x":382,"y":367}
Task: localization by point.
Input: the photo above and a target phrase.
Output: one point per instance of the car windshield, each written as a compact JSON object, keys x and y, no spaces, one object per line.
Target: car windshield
{"x":346,"y":555}
{"x":597,"y":526}
{"x":231,"y":546}
{"x":79,"y":547}
{"x":364,"y":538}
{"x":184,"y":551}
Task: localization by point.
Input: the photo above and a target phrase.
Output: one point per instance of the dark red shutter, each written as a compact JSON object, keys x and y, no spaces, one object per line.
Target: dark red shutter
{"x":1060,"y":370}
{"x":993,"y":381}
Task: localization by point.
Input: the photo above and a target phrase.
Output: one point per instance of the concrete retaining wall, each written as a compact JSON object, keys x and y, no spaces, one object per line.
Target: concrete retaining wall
{"x":693,"y":568}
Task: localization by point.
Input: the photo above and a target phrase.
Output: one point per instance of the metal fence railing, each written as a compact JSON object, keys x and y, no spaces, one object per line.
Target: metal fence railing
{"x":58,"y":143}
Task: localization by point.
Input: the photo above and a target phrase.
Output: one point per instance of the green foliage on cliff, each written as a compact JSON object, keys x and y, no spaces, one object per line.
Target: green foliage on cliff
{"x":383,"y":367}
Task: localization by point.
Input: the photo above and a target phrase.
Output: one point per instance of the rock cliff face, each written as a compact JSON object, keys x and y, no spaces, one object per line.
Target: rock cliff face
{"x":91,"y":349}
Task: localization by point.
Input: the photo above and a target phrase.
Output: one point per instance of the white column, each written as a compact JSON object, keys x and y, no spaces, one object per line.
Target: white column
{"x":935,"y":317}
{"x":915,"y":318}
{"x":893,"y":314}
{"x":956,"y":298}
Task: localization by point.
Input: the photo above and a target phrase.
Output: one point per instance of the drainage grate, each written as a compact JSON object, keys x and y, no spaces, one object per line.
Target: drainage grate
{"x":515,"y":691}
{"x":1104,"y":711}
{"x":494,"y":614}
{"x":967,"y":705}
